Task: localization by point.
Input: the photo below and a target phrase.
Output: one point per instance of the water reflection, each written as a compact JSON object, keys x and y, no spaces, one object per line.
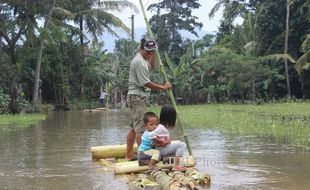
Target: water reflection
{"x":55,"y":154}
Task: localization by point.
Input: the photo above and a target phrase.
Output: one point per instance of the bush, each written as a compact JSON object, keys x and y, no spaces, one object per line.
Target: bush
{"x":4,"y":103}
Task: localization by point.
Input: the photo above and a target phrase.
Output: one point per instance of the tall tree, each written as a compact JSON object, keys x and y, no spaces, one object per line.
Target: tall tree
{"x":172,"y":16}
{"x":232,"y":9}
{"x":288,"y":3}
{"x":93,"y":17}
{"x":40,"y":51}
{"x":14,"y":19}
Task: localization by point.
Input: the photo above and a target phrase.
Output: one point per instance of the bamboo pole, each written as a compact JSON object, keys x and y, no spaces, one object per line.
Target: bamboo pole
{"x":189,"y":148}
{"x":113,"y":151}
{"x":110,"y":151}
{"x":134,"y":167}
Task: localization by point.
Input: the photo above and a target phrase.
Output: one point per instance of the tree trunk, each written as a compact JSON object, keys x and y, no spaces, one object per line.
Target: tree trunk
{"x":39,"y":55}
{"x":254,"y":86}
{"x":286,"y":47}
{"x":84,"y":62}
{"x":81,"y":32}
{"x":14,"y":88}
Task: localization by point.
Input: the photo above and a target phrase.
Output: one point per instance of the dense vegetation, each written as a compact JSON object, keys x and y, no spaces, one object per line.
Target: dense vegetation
{"x":274,"y":121}
{"x":266,"y":58}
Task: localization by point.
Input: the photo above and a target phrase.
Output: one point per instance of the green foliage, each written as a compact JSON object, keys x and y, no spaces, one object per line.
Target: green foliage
{"x":4,"y":102}
{"x":9,"y":122}
{"x":241,"y":63}
{"x":269,"y":120}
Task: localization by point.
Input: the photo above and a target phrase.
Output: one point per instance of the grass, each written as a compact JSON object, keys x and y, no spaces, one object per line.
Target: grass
{"x":20,"y":121}
{"x":287,"y":122}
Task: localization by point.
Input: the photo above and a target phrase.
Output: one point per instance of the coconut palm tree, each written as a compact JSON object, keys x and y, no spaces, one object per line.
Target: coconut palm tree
{"x":288,"y":4}
{"x":232,"y":9}
{"x":92,"y":16}
{"x":303,"y":63}
{"x":40,"y":51}
{"x":15,"y":17}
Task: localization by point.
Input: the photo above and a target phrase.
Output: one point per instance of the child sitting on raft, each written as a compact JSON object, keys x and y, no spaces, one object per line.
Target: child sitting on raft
{"x":159,"y":137}
{"x":146,"y":151}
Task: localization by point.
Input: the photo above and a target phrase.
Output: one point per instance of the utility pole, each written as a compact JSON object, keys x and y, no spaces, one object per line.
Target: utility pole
{"x":132,"y":36}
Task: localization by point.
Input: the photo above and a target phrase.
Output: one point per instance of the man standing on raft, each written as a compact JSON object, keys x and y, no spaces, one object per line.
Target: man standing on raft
{"x":139,"y":88}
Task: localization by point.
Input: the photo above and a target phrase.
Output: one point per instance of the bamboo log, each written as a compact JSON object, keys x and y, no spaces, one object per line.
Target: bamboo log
{"x":200,"y":178}
{"x":140,"y":181}
{"x":110,"y":151}
{"x":166,"y":182}
{"x":183,"y":180}
{"x":133,"y":166}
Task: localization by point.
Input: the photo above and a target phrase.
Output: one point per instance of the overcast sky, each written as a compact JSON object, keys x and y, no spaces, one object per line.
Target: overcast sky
{"x":209,"y":25}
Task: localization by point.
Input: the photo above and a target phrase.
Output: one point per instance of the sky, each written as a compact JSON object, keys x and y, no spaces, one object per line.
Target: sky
{"x":209,"y":25}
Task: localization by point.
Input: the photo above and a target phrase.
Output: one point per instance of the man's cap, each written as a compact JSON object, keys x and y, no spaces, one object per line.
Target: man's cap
{"x":149,"y":44}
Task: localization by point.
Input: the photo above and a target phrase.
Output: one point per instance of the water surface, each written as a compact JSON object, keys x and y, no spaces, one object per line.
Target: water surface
{"x":55,"y":154}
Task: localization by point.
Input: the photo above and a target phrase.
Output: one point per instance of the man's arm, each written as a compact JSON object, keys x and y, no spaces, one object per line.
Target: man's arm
{"x":156,"y":86}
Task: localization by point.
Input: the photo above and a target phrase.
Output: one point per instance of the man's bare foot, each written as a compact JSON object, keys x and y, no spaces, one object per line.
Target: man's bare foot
{"x":132,"y":158}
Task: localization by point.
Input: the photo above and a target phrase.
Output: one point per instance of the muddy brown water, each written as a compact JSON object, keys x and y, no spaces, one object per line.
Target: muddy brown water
{"x":55,"y":154}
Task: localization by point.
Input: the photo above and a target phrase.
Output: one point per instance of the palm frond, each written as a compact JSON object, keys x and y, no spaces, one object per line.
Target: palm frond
{"x":111,"y":20}
{"x":303,"y":63}
{"x":251,"y":47}
{"x":305,"y":46}
{"x":116,"y":5}
{"x":216,"y":7}
{"x":169,"y":62}
{"x":63,"y":13}
{"x":279,"y":57}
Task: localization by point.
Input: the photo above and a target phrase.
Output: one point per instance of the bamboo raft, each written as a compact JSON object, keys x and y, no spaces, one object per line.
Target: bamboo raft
{"x":95,"y":110}
{"x":163,"y":178}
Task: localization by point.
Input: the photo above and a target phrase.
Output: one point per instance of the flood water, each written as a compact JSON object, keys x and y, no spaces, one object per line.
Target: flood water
{"x":55,"y":154}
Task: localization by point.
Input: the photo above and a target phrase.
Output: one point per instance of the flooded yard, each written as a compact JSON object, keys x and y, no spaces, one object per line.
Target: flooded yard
{"x":55,"y":154}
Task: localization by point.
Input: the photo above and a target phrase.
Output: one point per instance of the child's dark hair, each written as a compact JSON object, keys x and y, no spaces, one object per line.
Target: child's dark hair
{"x":147,"y":115}
{"x":168,"y":116}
